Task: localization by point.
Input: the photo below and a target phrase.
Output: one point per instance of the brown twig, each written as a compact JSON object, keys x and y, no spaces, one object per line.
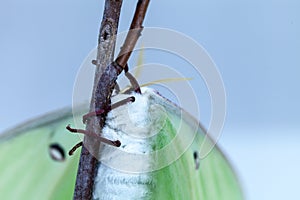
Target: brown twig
{"x":88,"y":164}
{"x":105,"y":81}
{"x":135,"y":30}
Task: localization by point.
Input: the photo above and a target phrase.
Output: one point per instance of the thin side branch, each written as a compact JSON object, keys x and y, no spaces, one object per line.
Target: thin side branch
{"x":135,"y":30}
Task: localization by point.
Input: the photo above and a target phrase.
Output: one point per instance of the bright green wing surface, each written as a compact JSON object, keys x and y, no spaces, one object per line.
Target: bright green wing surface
{"x":167,"y":172}
{"x":27,"y":171}
{"x":215,"y":178}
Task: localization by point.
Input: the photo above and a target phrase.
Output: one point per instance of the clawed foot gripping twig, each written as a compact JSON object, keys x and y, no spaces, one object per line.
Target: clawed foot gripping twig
{"x":105,"y":111}
{"x":115,"y":143}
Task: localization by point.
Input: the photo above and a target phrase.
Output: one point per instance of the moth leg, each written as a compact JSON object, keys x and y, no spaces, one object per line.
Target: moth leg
{"x":117,"y":89}
{"x":115,"y":143}
{"x":105,"y":111}
{"x":134,"y":83}
{"x":74,"y":148}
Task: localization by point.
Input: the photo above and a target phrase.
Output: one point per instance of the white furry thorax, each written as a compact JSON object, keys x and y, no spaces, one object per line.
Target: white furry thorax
{"x":132,"y":124}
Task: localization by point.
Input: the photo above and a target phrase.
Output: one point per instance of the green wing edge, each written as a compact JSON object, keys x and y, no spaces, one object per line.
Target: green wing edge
{"x":28,"y":172}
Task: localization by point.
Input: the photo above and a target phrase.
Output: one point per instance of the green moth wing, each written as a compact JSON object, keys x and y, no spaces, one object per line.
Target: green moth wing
{"x":161,"y":146}
{"x":27,"y":170}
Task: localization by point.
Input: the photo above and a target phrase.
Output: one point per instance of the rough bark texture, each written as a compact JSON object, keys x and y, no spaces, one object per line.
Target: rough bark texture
{"x":105,"y":81}
{"x":106,"y":43}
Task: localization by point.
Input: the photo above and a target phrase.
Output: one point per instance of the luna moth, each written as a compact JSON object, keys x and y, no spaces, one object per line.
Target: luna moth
{"x":34,"y":164}
{"x":27,"y":170}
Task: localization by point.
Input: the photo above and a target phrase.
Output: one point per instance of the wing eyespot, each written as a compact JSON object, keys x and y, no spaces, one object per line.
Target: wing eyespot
{"x":56,"y":152}
{"x":196,"y":160}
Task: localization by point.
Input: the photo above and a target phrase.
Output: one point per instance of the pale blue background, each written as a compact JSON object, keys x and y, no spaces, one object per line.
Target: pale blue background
{"x":255,"y":44}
